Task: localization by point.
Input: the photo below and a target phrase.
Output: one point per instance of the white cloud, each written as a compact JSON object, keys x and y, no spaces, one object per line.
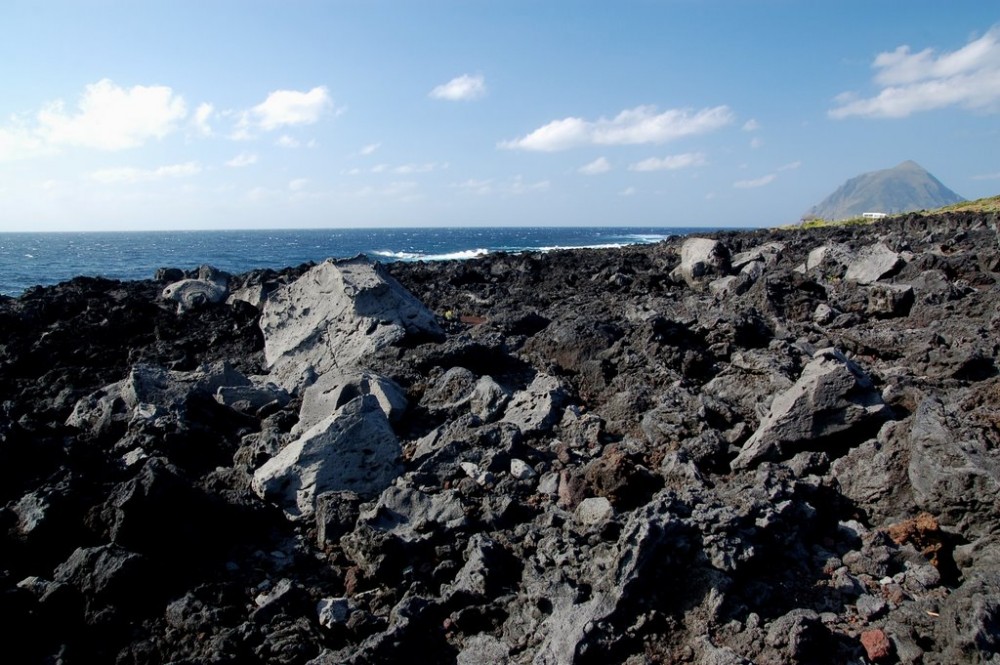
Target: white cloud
{"x":369,"y":149}
{"x":630,"y":127}
{"x":924,"y":81}
{"x":284,"y":108}
{"x":756,"y":142}
{"x":242,"y":159}
{"x":987,"y":176}
{"x":407,"y":169}
{"x":109,"y":117}
{"x":515,"y":186}
{"x":756,"y":182}
{"x":670,"y":162}
{"x":16,"y":142}
{"x":286,"y":141}
{"x":462,"y":88}
{"x":751,"y":125}
{"x":791,"y":166}
{"x":596,"y":167}
{"x":628,"y":191}
{"x":130,"y":175}
{"x":298,"y":184}
{"x":201,"y":117}
{"x":106,"y":117}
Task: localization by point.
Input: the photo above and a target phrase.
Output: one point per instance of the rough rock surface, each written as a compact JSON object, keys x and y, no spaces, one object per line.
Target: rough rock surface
{"x":334,"y":315}
{"x":573,"y":457}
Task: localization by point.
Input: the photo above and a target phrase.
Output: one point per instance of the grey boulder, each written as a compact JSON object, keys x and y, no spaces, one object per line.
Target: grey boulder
{"x":832,"y":396}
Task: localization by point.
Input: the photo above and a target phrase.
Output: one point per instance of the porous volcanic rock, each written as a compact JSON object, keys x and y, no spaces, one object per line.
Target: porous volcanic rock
{"x":766,"y":446}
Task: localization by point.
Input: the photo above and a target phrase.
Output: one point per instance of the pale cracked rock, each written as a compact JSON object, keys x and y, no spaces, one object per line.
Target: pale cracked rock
{"x":191,"y":294}
{"x":832,"y":396}
{"x":354,"y":449}
{"x":872,"y":264}
{"x":594,"y":510}
{"x":702,"y":258}
{"x":334,"y":315}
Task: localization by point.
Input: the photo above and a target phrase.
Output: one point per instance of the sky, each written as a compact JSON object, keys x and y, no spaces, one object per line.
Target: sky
{"x":225,"y":114}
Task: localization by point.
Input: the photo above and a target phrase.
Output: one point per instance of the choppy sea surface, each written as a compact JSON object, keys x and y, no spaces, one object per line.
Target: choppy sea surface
{"x":29,"y":259}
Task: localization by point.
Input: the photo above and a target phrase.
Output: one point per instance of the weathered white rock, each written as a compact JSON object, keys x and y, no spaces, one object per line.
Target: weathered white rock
{"x":408,"y":513}
{"x":252,"y":397}
{"x":149,"y":392}
{"x":451,"y":391}
{"x":702,"y":258}
{"x":872,"y":264}
{"x":488,"y":399}
{"x":354,"y":449}
{"x":833,"y":395}
{"x":333,"y":611}
{"x":519,"y":469}
{"x":334,"y":315}
{"x":768,"y":253}
{"x":193,"y":293}
{"x":337,"y":387}
{"x":594,"y":510}
{"x":538,"y":407}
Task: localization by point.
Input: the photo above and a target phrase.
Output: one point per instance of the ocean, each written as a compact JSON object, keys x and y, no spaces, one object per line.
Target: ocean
{"x":29,"y":259}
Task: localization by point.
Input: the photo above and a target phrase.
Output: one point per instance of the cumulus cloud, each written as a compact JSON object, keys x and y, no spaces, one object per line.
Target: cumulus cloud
{"x":201,"y":117}
{"x":912,"y":82}
{"x":129,"y":175}
{"x":642,"y":124}
{"x":17,"y":142}
{"x":751,"y":125}
{"x":462,"y":88}
{"x":283,"y":108}
{"x":242,"y":159}
{"x":426,"y":167}
{"x":286,"y":141}
{"x":756,"y":142}
{"x":109,"y":117}
{"x":670,"y":162}
{"x":596,"y":167}
{"x":756,"y":182}
{"x":369,"y":149}
{"x":106,"y":117}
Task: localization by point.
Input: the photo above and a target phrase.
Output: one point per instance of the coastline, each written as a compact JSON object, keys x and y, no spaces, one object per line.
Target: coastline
{"x":735,"y":446}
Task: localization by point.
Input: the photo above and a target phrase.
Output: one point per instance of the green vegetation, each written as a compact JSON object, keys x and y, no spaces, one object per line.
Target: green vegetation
{"x":817,"y":223}
{"x":988,"y":204}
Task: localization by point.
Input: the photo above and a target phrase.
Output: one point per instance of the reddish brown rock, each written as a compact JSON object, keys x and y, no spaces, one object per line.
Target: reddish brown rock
{"x":876,"y":644}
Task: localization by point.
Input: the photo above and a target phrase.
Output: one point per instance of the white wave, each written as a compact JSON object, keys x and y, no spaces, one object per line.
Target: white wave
{"x":556,"y":248}
{"x":651,"y":238}
{"x":457,"y":256}
{"x":448,"y":256}
{"x":29,"y":256}
{"x":400,"y":256}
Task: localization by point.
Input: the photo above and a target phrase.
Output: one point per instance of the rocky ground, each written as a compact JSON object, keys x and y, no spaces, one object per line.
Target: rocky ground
{"x":765,"y":446}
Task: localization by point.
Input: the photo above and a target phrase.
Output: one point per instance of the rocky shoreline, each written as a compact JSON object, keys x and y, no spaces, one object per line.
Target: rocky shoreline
{"x":775,"y":446}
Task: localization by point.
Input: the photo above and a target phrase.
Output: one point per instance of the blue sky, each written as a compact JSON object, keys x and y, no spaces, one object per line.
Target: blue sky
{"x":358,"y":113}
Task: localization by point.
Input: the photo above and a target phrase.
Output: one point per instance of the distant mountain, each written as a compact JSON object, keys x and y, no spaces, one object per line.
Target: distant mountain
{"x":901,"y":189}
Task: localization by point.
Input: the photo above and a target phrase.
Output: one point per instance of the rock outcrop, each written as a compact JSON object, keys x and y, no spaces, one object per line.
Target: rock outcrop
{"x":767,"y":446}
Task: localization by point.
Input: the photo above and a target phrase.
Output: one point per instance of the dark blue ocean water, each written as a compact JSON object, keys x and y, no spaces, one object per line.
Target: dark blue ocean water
{"x":28,"y":259}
